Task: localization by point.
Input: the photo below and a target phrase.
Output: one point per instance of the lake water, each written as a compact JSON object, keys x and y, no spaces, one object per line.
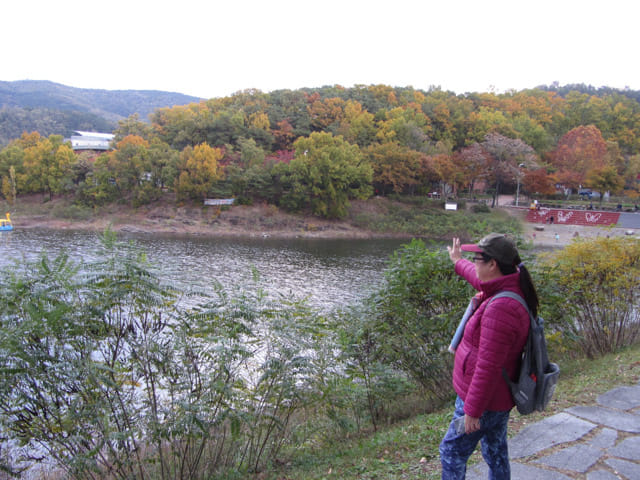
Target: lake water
{"x":329,"y":273}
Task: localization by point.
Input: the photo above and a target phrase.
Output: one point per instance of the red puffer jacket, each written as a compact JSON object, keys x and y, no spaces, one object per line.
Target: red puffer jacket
{"x":493,"y":338}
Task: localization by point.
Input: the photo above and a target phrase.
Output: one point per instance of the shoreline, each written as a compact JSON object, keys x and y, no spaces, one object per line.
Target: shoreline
{"x":545,"y":238}
{"x":318,"y":229}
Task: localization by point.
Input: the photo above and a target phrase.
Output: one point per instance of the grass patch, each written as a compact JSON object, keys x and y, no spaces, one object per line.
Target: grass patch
{"x":428,"y":219}
{"x":409,"y":449}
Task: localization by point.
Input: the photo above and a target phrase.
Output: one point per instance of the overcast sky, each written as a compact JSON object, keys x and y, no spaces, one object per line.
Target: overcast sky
{"x":217,"y":47}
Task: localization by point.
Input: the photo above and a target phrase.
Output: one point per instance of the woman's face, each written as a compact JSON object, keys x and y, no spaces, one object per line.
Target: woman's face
{"x":485,"y":269}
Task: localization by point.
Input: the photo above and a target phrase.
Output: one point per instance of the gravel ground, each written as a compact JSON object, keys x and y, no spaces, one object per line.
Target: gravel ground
{"x":560,"y":235}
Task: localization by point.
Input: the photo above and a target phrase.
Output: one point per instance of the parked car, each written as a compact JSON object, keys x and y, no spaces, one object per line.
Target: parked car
{"x":588,"y":194}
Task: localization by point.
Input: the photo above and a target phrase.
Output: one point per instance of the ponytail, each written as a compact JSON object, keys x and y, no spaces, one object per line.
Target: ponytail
{"x":526,"y":283}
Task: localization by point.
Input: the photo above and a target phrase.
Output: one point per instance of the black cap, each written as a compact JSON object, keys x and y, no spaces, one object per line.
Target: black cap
{"x":495,"y":245}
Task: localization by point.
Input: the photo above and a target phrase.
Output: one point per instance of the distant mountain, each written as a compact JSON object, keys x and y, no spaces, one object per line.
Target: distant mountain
{"x":52,"y":108}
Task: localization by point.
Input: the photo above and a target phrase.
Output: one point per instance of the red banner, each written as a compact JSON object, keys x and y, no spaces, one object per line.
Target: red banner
{"x":572,"y":217}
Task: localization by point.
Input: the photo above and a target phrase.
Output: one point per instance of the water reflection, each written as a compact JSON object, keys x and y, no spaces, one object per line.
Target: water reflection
{"x":330,"y":273}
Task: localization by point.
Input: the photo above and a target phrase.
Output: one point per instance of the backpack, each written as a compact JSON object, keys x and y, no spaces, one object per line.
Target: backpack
{"x":538,"y":377}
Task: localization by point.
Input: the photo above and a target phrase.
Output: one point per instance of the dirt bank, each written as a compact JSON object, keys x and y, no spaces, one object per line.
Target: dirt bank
{"x":167,"y":217}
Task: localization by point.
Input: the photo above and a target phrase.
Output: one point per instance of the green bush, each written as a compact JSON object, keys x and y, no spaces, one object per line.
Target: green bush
{"x":415,"y":314}
{"x":107,"y":375}
{"x":436,"y":223}
{"x":72,"y":212}
{"x":480,"y":208}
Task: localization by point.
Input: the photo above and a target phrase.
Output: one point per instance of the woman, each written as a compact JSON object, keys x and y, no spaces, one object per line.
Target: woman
{"x":493,"y":339}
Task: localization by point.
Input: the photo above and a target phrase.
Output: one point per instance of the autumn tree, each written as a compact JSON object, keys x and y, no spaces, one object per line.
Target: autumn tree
{"x":436,"y":107}
{"x":47,"y":166}
{"x":325,"y":174}
{"x":486,"y":121}
{"x":505,"y":157}
{"x":283,"y":135}
{"x":579,"y":152}
{"x":357,"y":125}
{"x":395,"y":167}
{"x":449,"y":177}
{"x":471,"y":162}
{"x":538,"y":182}
{"x":182,"y":125}
{"x":325,"y":113}
{"x":199,"y":170}
{"x":407,"y":125}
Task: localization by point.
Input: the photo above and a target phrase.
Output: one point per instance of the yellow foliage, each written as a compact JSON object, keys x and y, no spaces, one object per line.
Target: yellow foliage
{"x":259,"y":120}
{"x":596,"y":283}
{"x":611,"y":261}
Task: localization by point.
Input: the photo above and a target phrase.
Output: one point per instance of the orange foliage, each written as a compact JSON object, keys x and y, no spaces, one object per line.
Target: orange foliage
{"x":579,"y":152}
{"x":132,"y":140}
{"x":539,"y":181}
{"x":326,"y":112}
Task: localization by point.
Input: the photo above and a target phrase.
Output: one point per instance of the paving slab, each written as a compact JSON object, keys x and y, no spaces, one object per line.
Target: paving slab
{"x":518,"y":472}
{"x":578,"y":458}
{"x":605,"y":439}
{"x":602,"y":475}
{"x":629,"y":448}
{"x":623,"y":398}
{"x":627,"y":422}
{"x":615,"y":411}
{"x":554,"y":430}
{"x":628,"y":469}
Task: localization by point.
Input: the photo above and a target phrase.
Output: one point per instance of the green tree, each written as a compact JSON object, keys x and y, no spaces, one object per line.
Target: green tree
{"x":605,"y":179}
{"x":132,"y":125}
{"x":163,"y":164}
{"x":325,"y":173}
{"x":251,"y":154}
{"x":130,"y":159}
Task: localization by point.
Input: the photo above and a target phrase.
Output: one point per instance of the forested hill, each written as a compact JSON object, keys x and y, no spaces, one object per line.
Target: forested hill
{"x":52,"y":108}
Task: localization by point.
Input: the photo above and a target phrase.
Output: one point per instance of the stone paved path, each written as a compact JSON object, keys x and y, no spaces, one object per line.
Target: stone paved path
{"x":599,"y":442}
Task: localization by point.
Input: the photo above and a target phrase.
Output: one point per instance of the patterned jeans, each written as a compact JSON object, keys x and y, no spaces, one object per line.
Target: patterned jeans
{"x":456,"y":449}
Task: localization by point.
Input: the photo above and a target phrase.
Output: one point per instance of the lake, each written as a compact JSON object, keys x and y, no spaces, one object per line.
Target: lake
{"x":329,"y":273}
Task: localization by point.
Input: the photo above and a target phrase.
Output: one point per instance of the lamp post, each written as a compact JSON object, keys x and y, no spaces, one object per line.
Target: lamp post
{"x":518,"y":183}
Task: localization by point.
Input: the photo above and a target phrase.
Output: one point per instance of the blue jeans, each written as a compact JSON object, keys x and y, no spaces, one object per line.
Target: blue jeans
{"x":456,"y":449}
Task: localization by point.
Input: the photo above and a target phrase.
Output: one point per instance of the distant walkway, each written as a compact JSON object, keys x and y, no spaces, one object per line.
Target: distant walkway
{"x":599,"y":442}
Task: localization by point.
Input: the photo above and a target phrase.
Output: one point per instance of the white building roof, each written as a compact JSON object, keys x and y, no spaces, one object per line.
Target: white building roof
{"x":108,"y":136}
{"x":91,"y":141}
